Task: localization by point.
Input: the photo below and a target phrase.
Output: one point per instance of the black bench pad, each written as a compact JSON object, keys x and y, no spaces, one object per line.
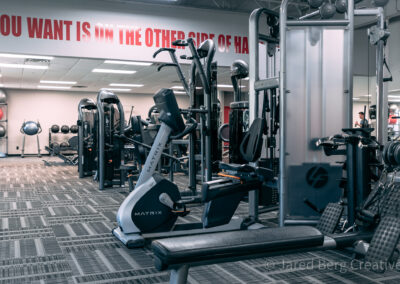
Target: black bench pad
{"x":212,"y":246}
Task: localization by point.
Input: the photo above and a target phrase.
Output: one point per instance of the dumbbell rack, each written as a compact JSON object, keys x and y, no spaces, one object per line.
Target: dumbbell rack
{"x":67,"y":154}
{"x":4,"y":122}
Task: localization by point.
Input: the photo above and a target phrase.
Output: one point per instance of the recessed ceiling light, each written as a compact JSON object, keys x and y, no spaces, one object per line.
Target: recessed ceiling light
{"x":113,"y":71}
{"x":58,"y":82}
{"x":227,"y":86}
{"x":53,"y":87}
{"x":393,"y":96}
{"x":9,"y":55}
{"x":181,"y":87}
{"x":26,"y":66}
{"x":356,"y":99}
{"x":366,"y":96}
{"x":126,"y":85}
{"x":137,"y":63}
{"x":179,"y":92}
{"x":118,"y":90}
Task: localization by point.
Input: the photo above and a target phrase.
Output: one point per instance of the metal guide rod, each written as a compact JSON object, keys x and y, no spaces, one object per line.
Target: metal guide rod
{"x":318,"y":23}
{"x":256,"y":85}
{"x":253,"y":93}
{"x":253,"y":66}
{"x":381,"y":99}
{"x":282,"y":116}
{"x":350,"y":52}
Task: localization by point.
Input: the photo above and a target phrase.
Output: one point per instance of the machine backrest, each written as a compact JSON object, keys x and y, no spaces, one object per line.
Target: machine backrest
{"x":251,"y":146}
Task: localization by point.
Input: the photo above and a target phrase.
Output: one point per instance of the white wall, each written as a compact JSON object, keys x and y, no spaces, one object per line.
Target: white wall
{"x":55,"y":107}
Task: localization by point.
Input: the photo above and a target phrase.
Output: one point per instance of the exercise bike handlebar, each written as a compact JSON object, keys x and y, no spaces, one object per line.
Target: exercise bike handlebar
{"x":170,"y":50}
{"x":198,"y":65}
{"x":175,"y":64}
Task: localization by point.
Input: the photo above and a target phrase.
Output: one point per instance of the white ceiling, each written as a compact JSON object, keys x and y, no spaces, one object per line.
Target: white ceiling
{"x":80,"y":70}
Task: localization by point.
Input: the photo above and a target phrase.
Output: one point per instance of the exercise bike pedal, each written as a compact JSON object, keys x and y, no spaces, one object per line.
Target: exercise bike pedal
{"x":330,"y":218}
{"x":382,"y":248}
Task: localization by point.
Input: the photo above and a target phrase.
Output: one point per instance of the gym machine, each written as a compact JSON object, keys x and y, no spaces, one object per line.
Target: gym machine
{"x":87,"y":112}
{"x":238,"y":115}
{"x":318,"y":103}
{"x":110,"y":149}
{"x":204,"y":106}
{"x":151,"y":210}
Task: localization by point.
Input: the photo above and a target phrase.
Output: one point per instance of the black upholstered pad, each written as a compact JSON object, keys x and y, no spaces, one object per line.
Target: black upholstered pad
{"x":191,"y":249}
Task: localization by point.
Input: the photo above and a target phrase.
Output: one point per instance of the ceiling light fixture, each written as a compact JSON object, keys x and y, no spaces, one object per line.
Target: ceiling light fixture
{"x":53,"y":87}
{"x":356,"y":99}
{"x":137,"y":63}
{"x":227,"y":86}
{"x":118,"y":89}
{"x":181,"y":87}
{"x":25,"y":66}
{"x":113,"y":71}
{"x":9,"y":55}
{"x":57,"y":82}
{"x":179,"y":92}
{"x":1,"y":85}
{"x":126,"y":85}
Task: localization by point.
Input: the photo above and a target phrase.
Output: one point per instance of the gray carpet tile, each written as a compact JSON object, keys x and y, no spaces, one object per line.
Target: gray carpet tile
{"x":56,"y":228}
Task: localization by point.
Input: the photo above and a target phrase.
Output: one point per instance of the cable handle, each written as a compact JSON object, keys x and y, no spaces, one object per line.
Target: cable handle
{"x":187,"y":130}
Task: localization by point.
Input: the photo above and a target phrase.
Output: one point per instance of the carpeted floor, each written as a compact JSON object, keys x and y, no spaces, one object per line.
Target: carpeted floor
{"x":56,"y":228}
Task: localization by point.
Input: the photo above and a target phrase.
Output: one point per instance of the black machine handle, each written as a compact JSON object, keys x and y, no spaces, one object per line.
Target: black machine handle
{"x":171,"y":50}
{"x":166,"y":65}
{"x":184,"y":56}
{"x":179,"y":42}
{"x":187,"y":130}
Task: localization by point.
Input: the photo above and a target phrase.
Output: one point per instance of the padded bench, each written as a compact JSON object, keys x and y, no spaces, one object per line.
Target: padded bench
{"x":179,"y":253}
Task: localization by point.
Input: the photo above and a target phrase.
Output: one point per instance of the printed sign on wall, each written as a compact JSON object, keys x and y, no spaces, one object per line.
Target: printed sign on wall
{"x":117,"y":31}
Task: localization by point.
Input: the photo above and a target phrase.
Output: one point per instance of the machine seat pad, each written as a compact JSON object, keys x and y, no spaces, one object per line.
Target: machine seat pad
{"x":225,"y":245}
{"x":236,"y":167}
